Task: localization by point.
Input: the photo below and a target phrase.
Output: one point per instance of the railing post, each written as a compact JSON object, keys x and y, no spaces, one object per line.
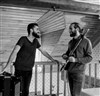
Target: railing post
{"x":43,"y":79}
{"x":50,"y":79}
{"x":65,"y":83}
{"x":89,"y":76}
{"x":35,"y":79}
{"x":58,"y":79}
{"x":95,"y":74}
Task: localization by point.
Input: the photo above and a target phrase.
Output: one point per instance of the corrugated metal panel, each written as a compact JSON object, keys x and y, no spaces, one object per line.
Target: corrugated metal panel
{"x":13,"y":25}
{"x":51,"y":21}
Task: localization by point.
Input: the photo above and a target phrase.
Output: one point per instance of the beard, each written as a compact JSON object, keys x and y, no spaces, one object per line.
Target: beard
{"x":73,"y":34}
{"x":35,"y":35}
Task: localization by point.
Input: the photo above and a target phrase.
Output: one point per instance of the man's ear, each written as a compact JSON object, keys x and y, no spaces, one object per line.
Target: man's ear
{"x":77,"y":29}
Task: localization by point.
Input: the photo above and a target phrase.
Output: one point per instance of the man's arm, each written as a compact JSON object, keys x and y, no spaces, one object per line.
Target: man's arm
{"x":88,"y":53}
{"x":11,"y":57}
{"x":47,"y":55}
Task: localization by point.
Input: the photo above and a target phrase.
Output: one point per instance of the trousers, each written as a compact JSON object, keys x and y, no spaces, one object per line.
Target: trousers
{"x":26,"y":79}
{"x":75,"y":83}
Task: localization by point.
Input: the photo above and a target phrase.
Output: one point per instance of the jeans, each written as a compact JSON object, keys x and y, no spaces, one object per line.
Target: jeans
{"x":75,"y":83}
{"x":26,"y":79}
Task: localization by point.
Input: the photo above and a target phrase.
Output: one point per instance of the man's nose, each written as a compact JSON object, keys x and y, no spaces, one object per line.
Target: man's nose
{"x":38,"y":31}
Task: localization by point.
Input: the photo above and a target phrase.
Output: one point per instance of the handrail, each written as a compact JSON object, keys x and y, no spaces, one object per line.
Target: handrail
{"x":44,"y":64}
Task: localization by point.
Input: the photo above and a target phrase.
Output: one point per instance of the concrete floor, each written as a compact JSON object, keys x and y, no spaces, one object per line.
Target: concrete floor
{"x":91,"y":92}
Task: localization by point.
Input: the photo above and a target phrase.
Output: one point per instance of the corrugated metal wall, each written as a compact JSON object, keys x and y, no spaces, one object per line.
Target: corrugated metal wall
{"x":52,"y":21}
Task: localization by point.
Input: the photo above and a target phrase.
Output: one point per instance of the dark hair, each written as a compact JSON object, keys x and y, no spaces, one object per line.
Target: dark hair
{"x":30,"y":26}
{"x":76,"y":25}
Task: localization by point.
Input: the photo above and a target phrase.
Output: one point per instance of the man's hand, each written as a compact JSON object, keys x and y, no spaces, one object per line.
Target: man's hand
{"x":60,"y":62}
{"x":56,"y":61}
{"x":72,"y":59}
{"x":64,"y":56}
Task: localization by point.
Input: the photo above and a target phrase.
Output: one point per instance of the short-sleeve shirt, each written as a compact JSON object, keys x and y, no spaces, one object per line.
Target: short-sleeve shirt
{"x":26,"y":55}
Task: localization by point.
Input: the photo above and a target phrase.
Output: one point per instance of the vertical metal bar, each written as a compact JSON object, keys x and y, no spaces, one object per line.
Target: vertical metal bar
{"x":43,"y":79}
{"x":95,"y":75}
{"x":35,"y":79}
{"x":89,"y":75}
{"x":50,"y":79}
{"x":64,"y":83}
{"x":58,"y":79}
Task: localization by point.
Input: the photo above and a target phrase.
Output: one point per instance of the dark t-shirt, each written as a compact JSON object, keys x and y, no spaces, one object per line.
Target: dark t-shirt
{"x":26,"y":55}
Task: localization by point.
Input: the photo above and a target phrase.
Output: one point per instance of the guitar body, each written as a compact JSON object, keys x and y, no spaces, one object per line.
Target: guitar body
{"x":67,"y":66}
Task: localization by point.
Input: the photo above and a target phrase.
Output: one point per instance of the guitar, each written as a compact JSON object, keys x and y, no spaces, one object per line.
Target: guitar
{"x":72,"y":51}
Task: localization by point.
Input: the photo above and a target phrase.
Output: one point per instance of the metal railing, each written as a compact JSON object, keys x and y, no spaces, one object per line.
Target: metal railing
{"x":44,"y":64}
{"x":58,"y":74}
{"x":91,"y":80}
